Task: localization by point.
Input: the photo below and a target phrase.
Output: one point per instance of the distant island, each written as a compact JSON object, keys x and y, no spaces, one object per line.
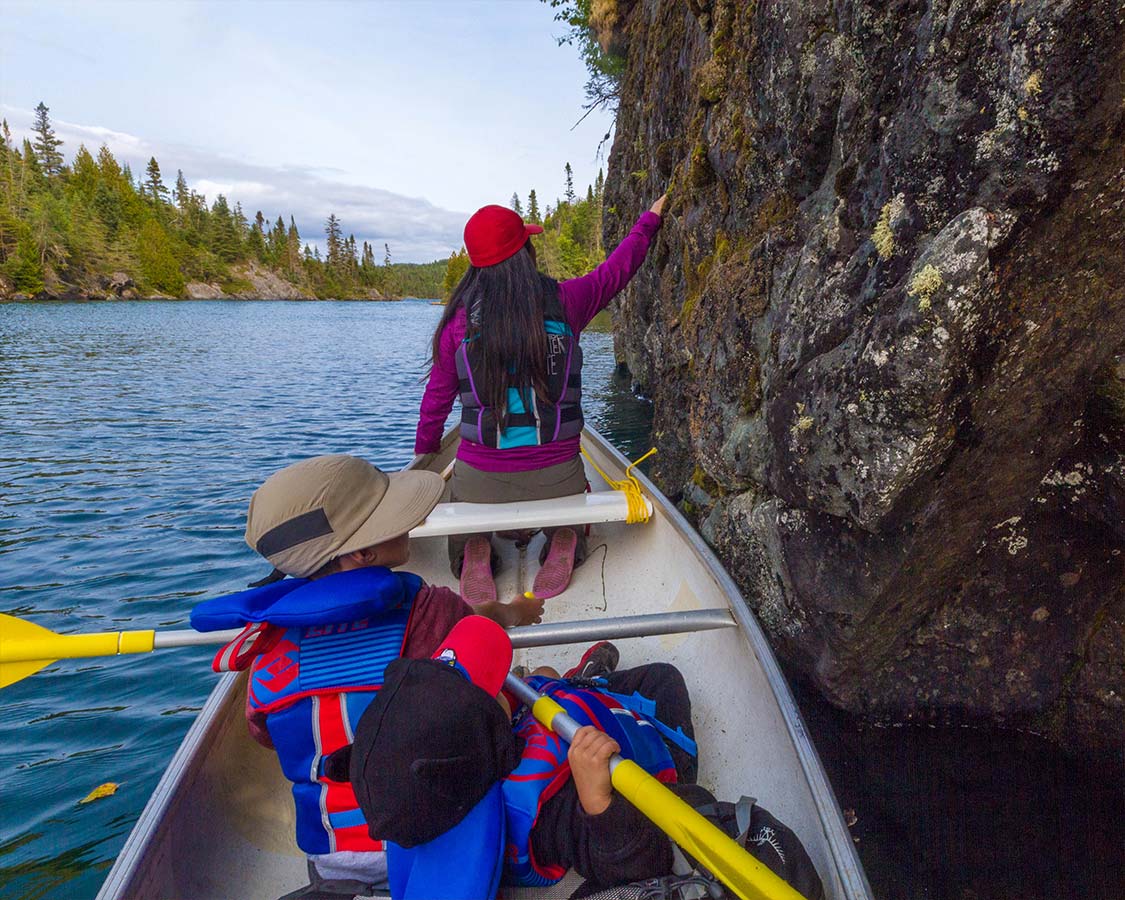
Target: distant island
{"x":90,"y":230}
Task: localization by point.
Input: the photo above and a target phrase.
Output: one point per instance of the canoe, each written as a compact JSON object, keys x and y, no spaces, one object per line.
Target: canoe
{"x":220,"y":822}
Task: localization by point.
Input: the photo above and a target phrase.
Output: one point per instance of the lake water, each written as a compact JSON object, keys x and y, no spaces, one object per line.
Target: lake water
{"x":131,"y":437}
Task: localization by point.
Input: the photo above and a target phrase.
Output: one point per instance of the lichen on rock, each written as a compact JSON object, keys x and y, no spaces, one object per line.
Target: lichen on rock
{"x":885,"y":313}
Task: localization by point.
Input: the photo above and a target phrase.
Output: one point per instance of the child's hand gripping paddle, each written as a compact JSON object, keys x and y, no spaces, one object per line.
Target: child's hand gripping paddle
{"x":710,"y":846}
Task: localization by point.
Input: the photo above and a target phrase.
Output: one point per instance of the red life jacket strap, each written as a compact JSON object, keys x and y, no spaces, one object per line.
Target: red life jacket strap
{"x":255,"y":639}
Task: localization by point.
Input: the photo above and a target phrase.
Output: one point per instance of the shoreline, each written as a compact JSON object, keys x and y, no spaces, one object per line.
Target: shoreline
{"x":94,"y":298}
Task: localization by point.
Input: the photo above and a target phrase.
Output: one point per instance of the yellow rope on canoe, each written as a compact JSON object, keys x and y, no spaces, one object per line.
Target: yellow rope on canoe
{"x":629,"y":486}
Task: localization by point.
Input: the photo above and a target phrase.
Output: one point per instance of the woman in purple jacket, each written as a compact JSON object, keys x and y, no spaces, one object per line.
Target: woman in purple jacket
{"x":507,"y":345}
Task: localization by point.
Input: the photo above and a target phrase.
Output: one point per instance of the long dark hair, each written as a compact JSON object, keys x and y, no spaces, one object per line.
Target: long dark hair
{"x":504,"y":307}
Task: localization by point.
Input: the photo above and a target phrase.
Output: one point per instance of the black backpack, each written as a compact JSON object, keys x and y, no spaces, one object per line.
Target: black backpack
{"x":767,"y":839}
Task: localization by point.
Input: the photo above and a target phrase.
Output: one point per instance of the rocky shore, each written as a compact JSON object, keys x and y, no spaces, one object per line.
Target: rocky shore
{"x":884,"y":330}
{"x":248,"y":281}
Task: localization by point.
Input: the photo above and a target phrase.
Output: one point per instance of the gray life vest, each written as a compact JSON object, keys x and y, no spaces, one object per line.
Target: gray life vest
{"x":531,"y":421}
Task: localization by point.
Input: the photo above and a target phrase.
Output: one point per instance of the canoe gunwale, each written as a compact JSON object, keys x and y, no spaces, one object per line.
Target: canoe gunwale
{"x":848,"y":865}
{"x":186,"y":760}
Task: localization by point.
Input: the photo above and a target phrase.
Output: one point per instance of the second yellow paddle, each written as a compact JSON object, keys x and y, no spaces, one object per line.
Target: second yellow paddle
{"x":706,"y":842}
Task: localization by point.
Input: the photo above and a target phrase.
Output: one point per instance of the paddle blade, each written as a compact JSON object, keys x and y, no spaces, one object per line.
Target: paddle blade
{"x":707,"y":843}
{"x":11,"y":672}
{"x":14,"y":632}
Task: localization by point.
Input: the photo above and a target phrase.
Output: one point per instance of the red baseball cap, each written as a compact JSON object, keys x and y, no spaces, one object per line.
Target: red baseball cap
{"x":480,"y":649}
{"x":495,"y":233}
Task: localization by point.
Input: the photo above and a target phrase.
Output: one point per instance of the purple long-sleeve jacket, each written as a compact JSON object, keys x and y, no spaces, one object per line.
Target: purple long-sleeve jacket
{"x":582,"y":299}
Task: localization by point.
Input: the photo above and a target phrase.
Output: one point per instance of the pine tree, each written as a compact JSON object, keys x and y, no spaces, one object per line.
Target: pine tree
{"x":570,"y":196}
{"x":181,"y":194}
{"x":256,"y":241}
{"x":46,"y":142}
{"x":334,"y":244}
{"x":599,"y":187}
{"x":516,"y":205}
{"x":154,"y":185}
{"x":533,"y":206}
{"x":277,"y":244}
{"x":240,"y":222}
{"x":386,"y":254}
{"x":226,"y":242}
{"x":350,"y":260}
{"x":455,"y":269}
{"x":292,"y":245}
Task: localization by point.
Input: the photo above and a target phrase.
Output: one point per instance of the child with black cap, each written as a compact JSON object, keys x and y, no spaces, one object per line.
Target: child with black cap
{"x":317,"y":644}
{"x":463,"y":796}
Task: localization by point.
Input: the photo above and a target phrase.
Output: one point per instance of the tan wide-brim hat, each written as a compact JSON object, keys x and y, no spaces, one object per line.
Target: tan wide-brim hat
{"x":320,"y":508}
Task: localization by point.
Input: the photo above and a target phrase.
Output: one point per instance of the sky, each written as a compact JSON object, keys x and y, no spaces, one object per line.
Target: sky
{"x":401,"y":117}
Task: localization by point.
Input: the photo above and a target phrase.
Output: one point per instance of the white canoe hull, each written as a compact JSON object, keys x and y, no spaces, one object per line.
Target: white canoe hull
{"x":220,"y":822}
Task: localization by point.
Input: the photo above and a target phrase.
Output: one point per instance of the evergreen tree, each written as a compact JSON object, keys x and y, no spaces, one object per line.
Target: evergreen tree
{"x":84,"y":174}
{"x":46,"y":142}
{"x":334,"y":244}
{"x":292,"y":245}
{"x":516,"y":205}
{"x":455,"y":269}
{"x":182,"y":194}
{"x":154,"y":184}
{"x":159,"y":267}
{"x":278,"y":242}
{"x":386,"y":254}
{"x":533,"y":206}
{"x":256,"y":240}
{"x":240,"y":222}
{"x":225,"y":241}
{"x":570,"y":197}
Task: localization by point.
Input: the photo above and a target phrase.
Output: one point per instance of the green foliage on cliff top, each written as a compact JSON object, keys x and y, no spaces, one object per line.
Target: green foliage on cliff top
{"x":590,"y":25}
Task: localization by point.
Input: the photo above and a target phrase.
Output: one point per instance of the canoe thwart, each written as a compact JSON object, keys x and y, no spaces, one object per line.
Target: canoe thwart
{"x":526,"y":515}
{"x":590,"y":630}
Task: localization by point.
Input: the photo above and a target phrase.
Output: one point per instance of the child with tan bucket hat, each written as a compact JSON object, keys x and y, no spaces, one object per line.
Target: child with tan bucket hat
{"x":317,"y":643}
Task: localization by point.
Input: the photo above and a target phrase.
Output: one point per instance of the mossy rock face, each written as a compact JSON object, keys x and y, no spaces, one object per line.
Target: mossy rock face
{"x":712,"y":81}
{"x":885,"y":317}
{"x":701,"y":173}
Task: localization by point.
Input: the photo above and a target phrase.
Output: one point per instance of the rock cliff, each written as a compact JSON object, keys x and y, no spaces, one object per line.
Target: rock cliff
{"x":883,"y":328}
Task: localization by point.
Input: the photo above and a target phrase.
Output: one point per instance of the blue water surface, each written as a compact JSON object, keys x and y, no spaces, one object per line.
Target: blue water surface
{"x":131,"y":438}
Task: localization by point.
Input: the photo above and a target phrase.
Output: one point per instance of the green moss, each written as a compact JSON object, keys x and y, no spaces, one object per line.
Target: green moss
{"x":751,"y":397}
{"x":708,"y":485}
{"x":701,"y":173}
{"x":695,"y":276}
{"x":711,"y":81}
{"x":639,"y":175}
{"x":924,"y":284}
{"x":883,"y":236}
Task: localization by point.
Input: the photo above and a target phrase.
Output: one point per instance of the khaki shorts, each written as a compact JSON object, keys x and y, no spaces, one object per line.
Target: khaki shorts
{"x":476,"y":486}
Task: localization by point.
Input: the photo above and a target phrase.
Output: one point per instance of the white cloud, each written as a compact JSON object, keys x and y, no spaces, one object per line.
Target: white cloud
{"x":416,"y":230}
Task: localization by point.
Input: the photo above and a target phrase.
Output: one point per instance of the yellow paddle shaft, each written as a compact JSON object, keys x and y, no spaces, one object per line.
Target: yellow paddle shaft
{"x":713,"y":848}
{"x":48,"y":646}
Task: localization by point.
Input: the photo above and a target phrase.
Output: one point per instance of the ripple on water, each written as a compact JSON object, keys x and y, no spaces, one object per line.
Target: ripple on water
{"x":133,"y":437}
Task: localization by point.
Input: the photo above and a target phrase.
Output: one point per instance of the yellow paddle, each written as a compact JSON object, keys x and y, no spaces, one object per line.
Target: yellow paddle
{"x":705,"y":841}
{"x":25,"y":647}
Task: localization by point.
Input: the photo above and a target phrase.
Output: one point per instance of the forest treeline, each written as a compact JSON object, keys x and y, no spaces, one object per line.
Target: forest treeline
{"x":75,"y":229}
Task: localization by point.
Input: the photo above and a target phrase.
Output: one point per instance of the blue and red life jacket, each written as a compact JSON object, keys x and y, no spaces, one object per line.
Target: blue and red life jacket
{"x":313,"y":671}
{"x":532,"y":420}
{"x":543,"y":768}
